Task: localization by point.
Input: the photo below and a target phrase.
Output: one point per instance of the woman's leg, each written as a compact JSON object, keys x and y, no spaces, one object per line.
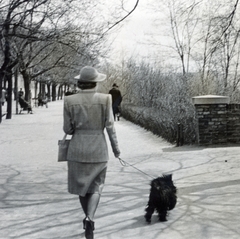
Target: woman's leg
{"x":83,"y":202}
{"x":89,"y":204}
{"x":93,"y":201}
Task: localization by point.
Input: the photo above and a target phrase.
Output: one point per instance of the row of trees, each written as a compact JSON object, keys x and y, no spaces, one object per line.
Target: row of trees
{"x":49,"y":40}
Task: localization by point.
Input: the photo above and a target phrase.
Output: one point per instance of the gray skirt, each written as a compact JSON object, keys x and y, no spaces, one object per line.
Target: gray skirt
{"x":86,"y":178}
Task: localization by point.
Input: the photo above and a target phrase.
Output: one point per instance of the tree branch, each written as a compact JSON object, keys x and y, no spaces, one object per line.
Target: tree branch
{"x":116,"y":23}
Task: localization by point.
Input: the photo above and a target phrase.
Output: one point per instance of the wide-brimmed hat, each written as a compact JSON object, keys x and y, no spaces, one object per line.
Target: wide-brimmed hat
{"x":90,"y":74}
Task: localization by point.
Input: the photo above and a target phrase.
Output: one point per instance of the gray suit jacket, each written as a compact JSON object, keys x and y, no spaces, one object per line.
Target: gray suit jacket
{"x":86,"y":115}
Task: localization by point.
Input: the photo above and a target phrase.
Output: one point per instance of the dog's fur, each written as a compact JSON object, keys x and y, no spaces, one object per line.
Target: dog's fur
{"x":162,"y":197}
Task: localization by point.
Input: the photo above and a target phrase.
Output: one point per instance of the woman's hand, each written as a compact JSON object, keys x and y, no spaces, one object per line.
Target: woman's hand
{"x":117,"y":155}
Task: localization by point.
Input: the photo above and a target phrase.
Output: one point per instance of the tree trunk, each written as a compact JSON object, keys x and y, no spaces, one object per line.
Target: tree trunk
{"x":49,"y":91}
{"x":54,"y":92}
{"x":59,"y":91}
{"x":4,"y":68}
{"x":27,"y":81}
{"x":16,"y":89}
{"x":9,"y":94}
{"x":0,"y":98}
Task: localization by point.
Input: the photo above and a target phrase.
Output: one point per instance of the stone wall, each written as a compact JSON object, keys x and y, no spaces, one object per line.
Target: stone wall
{"x":233,"y":124}
{"x":212,"y":123}
{"x":218,"y":121}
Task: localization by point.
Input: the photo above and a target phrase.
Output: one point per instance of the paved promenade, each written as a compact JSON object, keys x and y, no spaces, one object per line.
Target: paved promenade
{"x":35,"y":204}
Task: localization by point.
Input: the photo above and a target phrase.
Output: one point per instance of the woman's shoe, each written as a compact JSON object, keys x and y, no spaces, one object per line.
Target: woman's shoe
{"x":89,"y":229}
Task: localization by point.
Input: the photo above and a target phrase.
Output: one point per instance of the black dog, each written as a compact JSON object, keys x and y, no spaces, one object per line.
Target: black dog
{"x":162,"y":197}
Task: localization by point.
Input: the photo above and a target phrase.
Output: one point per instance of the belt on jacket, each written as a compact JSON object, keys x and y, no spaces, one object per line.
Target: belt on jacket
{"x":88,"y":132}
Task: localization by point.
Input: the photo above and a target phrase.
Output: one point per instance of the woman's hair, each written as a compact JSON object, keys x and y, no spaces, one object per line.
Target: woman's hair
{"x":86,"y":85}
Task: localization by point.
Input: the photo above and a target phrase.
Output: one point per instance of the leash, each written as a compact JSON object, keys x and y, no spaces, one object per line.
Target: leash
{"x":124,"y":163}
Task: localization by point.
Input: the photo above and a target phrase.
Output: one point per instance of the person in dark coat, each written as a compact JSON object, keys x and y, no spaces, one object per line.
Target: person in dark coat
{"x":86,"y":115}
{"x":4,"y":96}
{"x":20,"y":93}
{"x":116,"y":100}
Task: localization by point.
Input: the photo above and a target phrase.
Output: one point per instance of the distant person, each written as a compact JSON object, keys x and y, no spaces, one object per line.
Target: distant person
{"x":4,"y":96}
{"x":74,"y":91}
{"x":86,"y":115}
{"x":116,"y":100}
{"x":20,"y":93}
{"x":71,"y":91}
{"x":42,"y":101}
{"x":25,"y":105}
{"x":67,"y":93}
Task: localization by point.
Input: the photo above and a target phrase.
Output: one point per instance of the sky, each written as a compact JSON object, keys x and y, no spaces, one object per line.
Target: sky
{"x":132,"y":39}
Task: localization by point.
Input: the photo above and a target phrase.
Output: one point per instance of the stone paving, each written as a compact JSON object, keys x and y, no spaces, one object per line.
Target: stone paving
{"x":35,"y":204}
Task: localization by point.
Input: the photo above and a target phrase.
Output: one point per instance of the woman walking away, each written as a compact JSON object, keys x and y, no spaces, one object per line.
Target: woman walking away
{"x":86,"y":115}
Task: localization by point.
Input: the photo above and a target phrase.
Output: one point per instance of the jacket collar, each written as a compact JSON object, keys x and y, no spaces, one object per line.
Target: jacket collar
{"x":88,"y":91}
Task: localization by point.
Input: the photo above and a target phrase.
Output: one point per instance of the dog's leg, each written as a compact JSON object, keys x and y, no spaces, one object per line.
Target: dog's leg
{"x":162,"y":216}
{"x":149,"y":211}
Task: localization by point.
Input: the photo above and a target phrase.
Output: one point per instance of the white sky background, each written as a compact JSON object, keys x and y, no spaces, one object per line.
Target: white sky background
{"x":133,"y":37}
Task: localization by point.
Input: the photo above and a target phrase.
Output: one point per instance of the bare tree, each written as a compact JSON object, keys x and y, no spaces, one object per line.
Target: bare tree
{"x":206,"y":39}
{"x":183,"y":22}
{"x":219,"y":40}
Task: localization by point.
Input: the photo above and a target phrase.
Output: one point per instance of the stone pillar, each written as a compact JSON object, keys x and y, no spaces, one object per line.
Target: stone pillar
{"x":211,"y":113}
